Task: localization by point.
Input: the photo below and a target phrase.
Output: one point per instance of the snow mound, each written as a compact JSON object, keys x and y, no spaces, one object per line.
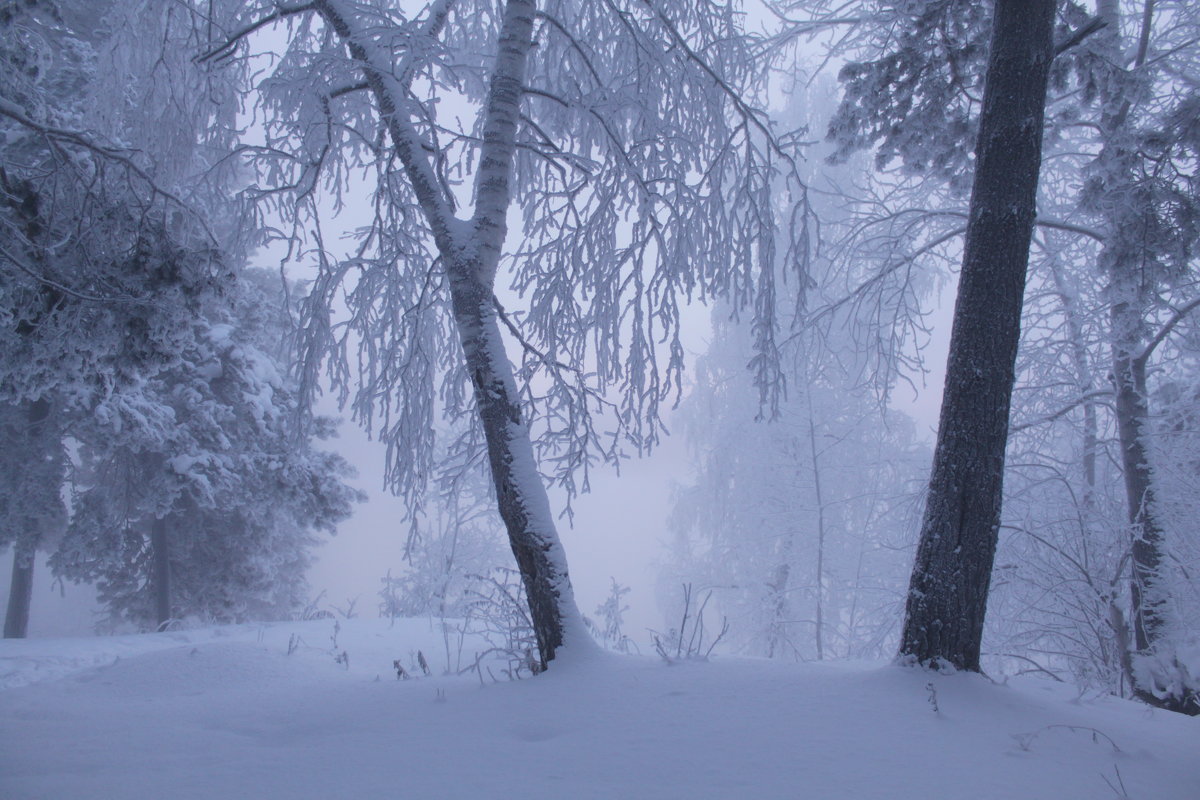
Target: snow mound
{"x":277,"y":711}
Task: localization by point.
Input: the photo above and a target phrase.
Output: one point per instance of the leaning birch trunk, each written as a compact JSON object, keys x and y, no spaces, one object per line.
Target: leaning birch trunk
{"x":948,"y":592}
{"x":520,"y":493}
{"x":471,"y":253}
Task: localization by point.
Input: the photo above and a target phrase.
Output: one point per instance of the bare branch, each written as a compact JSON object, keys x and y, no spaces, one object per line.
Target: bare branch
{"x":58,"y":287}
{"x":1062,"y":411}
{"x":232,"y":41}
{"x":526,"y":345}
{"x":1165,"y":331}
{"x":1078,"y":35}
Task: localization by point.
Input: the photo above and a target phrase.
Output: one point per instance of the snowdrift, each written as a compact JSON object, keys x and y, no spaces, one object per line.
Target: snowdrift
{"x":279,"y":711}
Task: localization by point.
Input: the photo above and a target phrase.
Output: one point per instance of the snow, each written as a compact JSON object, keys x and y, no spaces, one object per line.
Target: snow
{"x":228,"y":713}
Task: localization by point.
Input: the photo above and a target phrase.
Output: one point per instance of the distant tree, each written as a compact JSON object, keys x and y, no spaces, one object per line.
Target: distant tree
{"x":794,"y":519}
{"x":1063,"y":553}
{"x":99,"y":260}
{"x":457,"y":536}
{"x":118,"y":295}
{"x":32,"y":513}
{"x":201,"y":493}
{"x":611,"y":616}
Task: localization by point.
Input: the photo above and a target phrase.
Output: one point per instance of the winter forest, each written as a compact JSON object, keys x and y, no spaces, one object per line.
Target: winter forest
{"x":667,"y":373}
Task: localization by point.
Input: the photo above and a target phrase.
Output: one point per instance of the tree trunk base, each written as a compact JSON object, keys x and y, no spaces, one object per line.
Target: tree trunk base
{"x":20,"y":595}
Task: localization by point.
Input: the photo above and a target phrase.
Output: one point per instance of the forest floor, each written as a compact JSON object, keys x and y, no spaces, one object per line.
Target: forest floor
{"x":229,"y":713}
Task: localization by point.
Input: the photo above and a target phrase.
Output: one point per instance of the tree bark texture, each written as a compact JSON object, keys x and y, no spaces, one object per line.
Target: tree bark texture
{"x":520,"y":493}
{"x":20,"y":592}
{"x":948,"y":592}
{"x":1147,"y":599}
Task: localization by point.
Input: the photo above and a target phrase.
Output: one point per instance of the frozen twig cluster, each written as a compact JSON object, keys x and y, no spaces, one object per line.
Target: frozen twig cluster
{"x":687,"y":642}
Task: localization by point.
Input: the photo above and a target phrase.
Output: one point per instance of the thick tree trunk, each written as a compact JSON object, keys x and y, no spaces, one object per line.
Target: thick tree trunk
{"x":160,"y":549}
{"x":20,"y":592}
{"x":948,"y":593}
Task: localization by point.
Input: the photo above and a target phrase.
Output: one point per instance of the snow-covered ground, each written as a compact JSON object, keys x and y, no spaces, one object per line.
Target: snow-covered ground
{"x":228,"y":713}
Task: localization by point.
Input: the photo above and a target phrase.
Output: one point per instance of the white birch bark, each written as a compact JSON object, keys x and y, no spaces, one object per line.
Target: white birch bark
{"x":471,"y":254}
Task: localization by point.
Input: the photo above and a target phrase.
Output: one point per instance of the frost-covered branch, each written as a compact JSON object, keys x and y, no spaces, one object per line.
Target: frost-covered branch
{"x":231,"y":42}
{"x":1061,"y":412}
{"x":1165,"y":331}
{"x":59,"y":136}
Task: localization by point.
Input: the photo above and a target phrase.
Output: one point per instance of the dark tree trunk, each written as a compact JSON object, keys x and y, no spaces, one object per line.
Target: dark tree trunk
{"x":20,"y":593}
{"x":34,"y":416}
{"x":948,"y":593}
{"x":160,"y":549}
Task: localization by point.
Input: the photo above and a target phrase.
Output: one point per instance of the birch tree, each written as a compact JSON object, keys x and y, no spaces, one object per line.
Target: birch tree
{"x":795,"y":515}
{"x":622,"y":134}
